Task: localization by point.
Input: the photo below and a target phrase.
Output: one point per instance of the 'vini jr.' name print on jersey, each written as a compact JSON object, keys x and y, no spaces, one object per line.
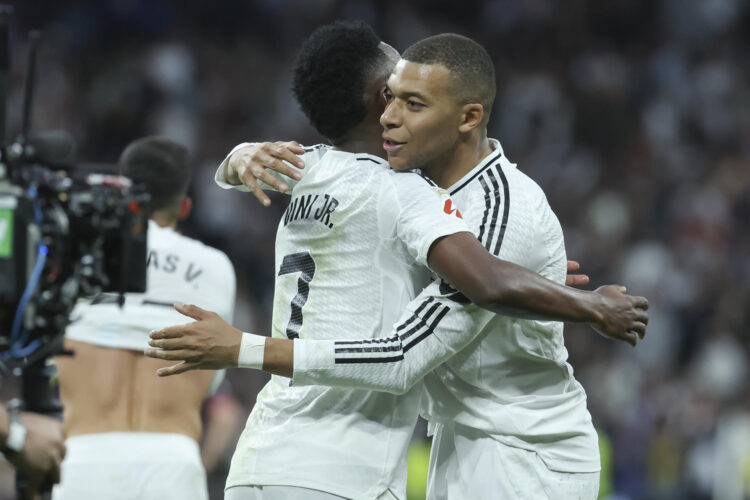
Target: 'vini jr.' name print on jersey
{"x":313,"y":207}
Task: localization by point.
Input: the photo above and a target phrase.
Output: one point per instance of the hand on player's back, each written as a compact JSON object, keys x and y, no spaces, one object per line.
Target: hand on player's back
{"x":209,"y":343}
{"x":623,"y":317}
{"x":248,"y":165}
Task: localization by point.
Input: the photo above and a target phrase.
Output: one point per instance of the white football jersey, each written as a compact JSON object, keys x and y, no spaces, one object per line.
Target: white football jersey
{"x":179,"y":269}
{"x":350,"y":251}
{"x":504,"y":376}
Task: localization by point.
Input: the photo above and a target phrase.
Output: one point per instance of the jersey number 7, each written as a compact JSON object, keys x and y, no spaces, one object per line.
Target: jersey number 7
{"x":304,"y":264}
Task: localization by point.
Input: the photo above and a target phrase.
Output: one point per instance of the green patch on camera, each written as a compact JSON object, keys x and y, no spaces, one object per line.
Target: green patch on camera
{"x":6,"y":233}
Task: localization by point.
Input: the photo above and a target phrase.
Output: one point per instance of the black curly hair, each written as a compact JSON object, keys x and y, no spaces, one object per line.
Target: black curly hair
{"x":161,"y":165}
{"x":330,"y":76}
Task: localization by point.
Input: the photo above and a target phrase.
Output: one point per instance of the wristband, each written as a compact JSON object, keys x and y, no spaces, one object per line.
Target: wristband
{"x":252,"y":350}
{"x":16,"y":432}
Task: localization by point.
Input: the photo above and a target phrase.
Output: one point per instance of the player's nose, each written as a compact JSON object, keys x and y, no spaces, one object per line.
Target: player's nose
{"x":389,"y":118}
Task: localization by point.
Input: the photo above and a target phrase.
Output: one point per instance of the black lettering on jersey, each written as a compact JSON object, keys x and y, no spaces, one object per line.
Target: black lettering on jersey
{"x":290,"y":209}
{"x":311,"y":207}
{"x":320,"y":211}
{"x":171,"y":264}
{"x":305,"y":206}
{"x":329,"y":210}
{"x":191,"y":273}
{"x":153,"y":258}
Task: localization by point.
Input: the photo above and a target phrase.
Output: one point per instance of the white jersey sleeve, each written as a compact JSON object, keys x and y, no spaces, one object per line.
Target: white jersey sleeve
{"x":424,"y":215}
{"x":310,"y":157}
{"x":433,"y":322}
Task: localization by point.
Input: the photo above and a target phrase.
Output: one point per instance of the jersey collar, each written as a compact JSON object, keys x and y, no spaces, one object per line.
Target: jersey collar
{"x":490,"y":159}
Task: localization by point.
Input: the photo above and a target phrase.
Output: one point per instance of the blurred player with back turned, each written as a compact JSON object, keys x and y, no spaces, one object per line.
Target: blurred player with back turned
{"x":130,"y":435}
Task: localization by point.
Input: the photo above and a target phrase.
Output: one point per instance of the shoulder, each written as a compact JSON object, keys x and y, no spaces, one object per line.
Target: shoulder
{"x":523,"y":184}
{"x":411,"y":179}
{"x":315,"y":152}
{"x":367,"y":160}
{"x":203,"y":253}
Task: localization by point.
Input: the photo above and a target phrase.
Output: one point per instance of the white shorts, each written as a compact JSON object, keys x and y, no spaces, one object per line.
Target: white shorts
{"x":131,"y":465}
{"x":468,"y":464}
{"x":285,"y":493}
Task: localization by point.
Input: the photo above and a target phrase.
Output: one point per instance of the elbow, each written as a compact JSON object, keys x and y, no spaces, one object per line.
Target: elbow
{"x":492,"y":294}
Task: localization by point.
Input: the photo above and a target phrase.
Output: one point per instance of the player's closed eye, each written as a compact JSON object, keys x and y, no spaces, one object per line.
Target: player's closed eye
{"x":414,"y":105}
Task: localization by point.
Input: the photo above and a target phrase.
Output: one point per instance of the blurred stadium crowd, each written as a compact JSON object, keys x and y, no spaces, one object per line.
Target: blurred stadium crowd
{"x":634,"y":116}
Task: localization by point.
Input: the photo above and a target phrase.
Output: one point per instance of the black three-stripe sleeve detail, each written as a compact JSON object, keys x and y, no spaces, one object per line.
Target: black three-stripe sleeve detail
{"x":495,"y":210}
{"x":402,"y":347}
{"x":398,"y":337}
{"x":344,"y":361}
{"x":493,"y":158}
{"x":393,"y":338}
{"x":487,"y":201}
{"x":429,"y":331}
{"x":506,"y":209}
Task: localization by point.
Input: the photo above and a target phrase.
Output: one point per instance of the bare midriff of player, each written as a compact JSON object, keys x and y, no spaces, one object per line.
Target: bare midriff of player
{"x":114,"y":390}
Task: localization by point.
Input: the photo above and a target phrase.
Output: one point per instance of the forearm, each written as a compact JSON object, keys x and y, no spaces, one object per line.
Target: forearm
{"x":278,"y":357}
{"x":518,"y":292}
{"x":504,"y":287}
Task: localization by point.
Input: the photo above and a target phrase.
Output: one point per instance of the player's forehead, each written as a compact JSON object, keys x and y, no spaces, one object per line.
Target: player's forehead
{"x":432,"y":80}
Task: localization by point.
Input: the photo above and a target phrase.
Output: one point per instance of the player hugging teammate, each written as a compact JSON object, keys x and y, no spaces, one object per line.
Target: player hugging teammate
{"x":362,"y":342}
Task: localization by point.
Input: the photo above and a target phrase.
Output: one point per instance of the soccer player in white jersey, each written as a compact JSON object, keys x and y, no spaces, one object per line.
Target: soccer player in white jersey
{"x":130,"y":435}
{"x":348,"y":443}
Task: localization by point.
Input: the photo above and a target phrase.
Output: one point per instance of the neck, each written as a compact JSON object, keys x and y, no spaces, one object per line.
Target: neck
{"x":363,"y":145}
{"x":164,"y":220}
{"x":367,"y":136}
{"x":449,"y":168}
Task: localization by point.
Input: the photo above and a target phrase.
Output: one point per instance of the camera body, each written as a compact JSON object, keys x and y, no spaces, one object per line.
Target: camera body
{"x":63,"y":234}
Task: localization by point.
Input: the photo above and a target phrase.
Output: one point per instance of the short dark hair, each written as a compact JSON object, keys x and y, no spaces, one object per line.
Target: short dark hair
{"x":469,"y":63}
{"x":330,"y":76}
{"x":161,"y":165}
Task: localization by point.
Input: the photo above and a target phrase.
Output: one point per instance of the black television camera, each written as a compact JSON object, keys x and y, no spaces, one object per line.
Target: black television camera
{"x":64,"y":232}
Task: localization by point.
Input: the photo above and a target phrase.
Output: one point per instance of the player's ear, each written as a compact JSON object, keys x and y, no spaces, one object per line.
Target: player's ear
{"x":185,"y":207}
{"x":472,"y":115}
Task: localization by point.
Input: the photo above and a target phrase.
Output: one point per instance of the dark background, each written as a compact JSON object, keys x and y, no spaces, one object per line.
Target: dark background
{"x":634,"y":116}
